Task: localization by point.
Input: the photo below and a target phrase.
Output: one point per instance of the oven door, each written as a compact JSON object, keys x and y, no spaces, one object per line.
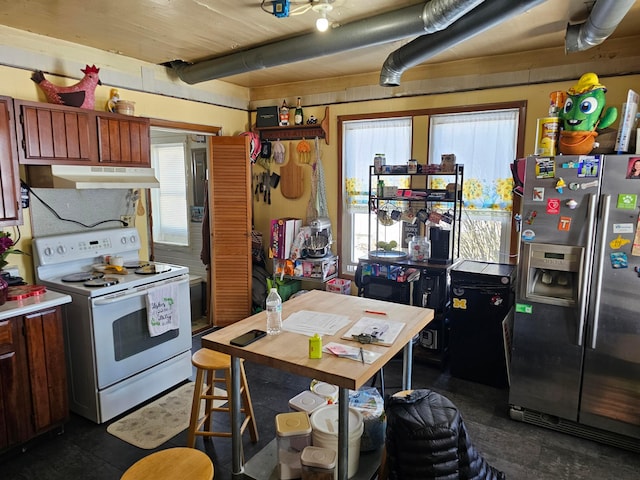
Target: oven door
{"x":123,"y":345}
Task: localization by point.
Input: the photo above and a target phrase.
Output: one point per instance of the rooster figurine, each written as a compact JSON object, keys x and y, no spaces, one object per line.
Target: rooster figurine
{"x":82,"y":94}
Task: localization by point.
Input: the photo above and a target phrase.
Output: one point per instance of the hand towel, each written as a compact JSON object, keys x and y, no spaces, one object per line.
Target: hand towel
{"x":162,"y":309}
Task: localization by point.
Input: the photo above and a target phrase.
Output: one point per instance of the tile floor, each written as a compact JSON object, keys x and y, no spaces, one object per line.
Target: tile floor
{"x":85,"y":451}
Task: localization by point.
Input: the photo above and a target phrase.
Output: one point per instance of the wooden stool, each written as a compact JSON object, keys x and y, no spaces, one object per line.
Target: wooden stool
{"x":172,"y":464}
{"x":209,"y":361}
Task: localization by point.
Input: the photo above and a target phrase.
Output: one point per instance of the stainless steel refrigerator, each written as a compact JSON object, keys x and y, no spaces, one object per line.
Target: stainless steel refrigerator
{"x":575,"y":356}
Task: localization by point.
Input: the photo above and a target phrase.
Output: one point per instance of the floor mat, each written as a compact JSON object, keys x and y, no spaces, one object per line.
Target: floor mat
{"x":161,"y":420}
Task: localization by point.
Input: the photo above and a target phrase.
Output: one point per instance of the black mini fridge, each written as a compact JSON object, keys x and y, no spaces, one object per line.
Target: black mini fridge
{"x":481,"y":319}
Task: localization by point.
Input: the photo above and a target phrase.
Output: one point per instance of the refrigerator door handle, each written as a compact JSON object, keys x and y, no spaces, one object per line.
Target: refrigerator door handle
{"x":606,"y":204}
{"x":586,"y":274}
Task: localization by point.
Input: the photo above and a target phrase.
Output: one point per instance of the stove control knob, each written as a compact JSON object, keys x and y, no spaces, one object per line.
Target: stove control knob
{"x":48,"y":252}
{"x":133,"y":239}
{"x":123,"y":240}
{"x":61,"y":250}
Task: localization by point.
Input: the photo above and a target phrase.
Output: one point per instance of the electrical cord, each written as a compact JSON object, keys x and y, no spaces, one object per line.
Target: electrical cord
{"x":51,"y":209}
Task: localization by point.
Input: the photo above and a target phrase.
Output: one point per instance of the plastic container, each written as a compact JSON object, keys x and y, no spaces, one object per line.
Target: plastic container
{"x":326,"y":390}
{"x":293,"y":431}
{"x":318,"y":463}
{"x":307,"y":402}
{"x":419,"y":249}
{"x":324,"y":423}
{"x":339,"y":285}
{"x":274,"y":313}
{"x":379,"y":161}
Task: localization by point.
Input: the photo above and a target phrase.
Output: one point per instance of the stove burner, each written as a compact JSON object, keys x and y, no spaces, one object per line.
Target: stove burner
{"x":82,"y":277}
{"x":138,"y":264}
{"x":102,"y":282}
{"x":153,"y":269}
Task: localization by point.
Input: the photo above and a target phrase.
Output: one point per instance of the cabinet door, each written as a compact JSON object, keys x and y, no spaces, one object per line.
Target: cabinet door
{"x":15,"y":410}
{"x":124,"y":140}
{"x":10,"y":211}
{"x":56,"y":134}
{"x":47,"y":374}
{"x":230,"y":229}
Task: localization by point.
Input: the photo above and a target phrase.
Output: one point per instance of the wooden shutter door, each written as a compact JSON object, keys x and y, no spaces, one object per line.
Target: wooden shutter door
{"x":230,"y":229}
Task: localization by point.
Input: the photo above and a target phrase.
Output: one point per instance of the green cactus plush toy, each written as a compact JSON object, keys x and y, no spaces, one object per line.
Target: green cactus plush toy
{"x":583,"y":113}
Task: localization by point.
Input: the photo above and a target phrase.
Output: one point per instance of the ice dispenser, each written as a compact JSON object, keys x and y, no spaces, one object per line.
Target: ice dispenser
{"x":552,"y":274}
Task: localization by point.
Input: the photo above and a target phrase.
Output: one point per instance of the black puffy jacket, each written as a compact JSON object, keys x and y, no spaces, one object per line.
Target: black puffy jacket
{"x":427,"y":439}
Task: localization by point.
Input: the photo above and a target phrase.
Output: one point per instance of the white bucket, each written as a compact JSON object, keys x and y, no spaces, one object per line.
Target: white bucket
{"x":324,"y":425}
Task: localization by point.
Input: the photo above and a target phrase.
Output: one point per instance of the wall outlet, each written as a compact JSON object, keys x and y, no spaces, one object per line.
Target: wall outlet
{"x":129,"y":219}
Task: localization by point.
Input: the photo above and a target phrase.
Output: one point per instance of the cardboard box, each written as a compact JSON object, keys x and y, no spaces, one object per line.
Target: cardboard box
{"x":267,"y":117}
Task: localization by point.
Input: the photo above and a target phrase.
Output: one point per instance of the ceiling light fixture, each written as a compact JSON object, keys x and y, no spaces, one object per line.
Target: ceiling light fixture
{"x":323,"y":7}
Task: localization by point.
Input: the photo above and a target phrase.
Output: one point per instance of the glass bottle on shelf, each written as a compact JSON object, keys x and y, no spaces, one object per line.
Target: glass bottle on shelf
{"x":298,"y":117}
{"x":284,"y":114}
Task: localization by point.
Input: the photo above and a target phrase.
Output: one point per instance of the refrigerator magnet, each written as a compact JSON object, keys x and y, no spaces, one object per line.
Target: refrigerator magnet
{"x":564,"y":224}
{"x":618,"y":242}
{"x":589,"y":168}
{"x":553,"y":206}
{"x":538,"y":194}
{"x":619,"y":260}
{"x":528,"y":235}
{"x":627,"y":201}
{"x":571,"y":204}
{"x":545,"y":168}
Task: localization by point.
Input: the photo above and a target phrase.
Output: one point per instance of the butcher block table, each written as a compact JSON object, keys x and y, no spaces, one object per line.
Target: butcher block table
{"x":289,"y":352}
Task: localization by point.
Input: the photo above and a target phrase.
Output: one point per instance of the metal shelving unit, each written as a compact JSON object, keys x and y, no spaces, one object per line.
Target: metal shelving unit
{"x":420,"y":196}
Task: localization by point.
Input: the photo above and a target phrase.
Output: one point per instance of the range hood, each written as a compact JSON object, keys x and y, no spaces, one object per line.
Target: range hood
{"x":83,"y":177}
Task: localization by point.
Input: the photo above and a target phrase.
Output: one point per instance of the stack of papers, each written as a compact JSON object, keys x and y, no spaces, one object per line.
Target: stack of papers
{"x":386,"y":331}
{"x":309,"y":323}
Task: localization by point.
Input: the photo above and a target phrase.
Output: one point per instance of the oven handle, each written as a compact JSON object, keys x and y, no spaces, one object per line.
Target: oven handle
{"x":138,"y":291}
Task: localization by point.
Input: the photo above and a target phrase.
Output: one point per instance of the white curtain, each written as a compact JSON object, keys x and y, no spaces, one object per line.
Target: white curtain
{"x":362,"y":140}
{"x":485,"y":142}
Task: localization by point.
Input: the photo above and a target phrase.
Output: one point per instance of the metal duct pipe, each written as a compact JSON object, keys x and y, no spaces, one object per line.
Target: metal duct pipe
{"x":422,"y":48}
{"x":603,"y":20}
{"x":384,"y":28}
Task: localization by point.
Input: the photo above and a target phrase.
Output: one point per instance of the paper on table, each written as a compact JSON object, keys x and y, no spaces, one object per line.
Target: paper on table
{"x":352,"y":353}
{"x":309,"y":323}
{"x":387,"y":330}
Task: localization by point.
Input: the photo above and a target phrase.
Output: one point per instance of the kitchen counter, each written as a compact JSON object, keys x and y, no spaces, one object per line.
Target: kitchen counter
{"x":14,"y":308}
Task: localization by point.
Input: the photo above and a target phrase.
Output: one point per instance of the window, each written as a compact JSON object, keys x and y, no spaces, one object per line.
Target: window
{"x":362,"y":140}
{"x":486,"y":143}
{"x":170,"y":214}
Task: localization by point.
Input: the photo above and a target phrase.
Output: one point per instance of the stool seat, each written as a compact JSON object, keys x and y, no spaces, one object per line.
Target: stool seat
{"x":208,"y":359}
{"x":171,"y":464}
{"x":207,"y":363}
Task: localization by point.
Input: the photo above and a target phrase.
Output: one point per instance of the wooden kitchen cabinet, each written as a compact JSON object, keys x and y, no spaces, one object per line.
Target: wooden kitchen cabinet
{"x":49,"y":133}
{"x":10,"y":211}
{"x":55,"y":134}
{"x":124,"y":140}
{"x":33,"y":384}
{"x":14,"y":394}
